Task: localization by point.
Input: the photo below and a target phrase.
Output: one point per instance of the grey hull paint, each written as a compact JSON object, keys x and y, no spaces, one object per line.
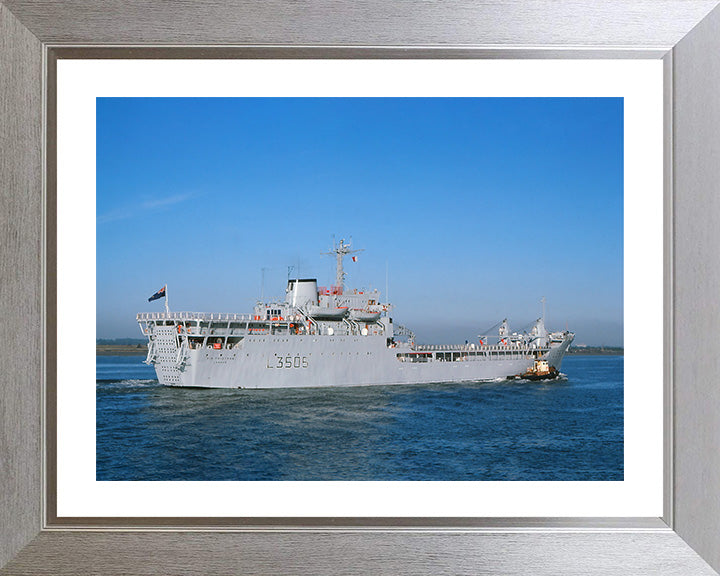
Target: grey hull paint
{"x":302,"y":361}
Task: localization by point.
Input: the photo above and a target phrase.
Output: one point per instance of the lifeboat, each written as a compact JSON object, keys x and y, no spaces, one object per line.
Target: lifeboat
{"x":363,"y":315}
{"x":326,"y":312}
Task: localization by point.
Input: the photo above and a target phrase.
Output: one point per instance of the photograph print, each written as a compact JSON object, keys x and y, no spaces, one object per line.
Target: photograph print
{"x":385,"y":289}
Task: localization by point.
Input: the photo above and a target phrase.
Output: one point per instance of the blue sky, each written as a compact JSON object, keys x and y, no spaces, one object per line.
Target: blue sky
{"x":478,"y":207}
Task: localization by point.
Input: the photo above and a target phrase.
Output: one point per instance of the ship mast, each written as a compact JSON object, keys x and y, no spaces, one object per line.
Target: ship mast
{"x":340,"y":250}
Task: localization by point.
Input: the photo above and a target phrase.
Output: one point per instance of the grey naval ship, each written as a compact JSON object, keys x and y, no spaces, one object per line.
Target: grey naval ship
{"x":331,"y":336}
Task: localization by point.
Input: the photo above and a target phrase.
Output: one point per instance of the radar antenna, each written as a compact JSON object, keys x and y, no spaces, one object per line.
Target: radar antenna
{"x":339,"y":251}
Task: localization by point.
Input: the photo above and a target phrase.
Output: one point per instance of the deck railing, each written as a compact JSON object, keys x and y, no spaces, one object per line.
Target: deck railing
{"x":194,"y":316}
{"x":472,"y":347}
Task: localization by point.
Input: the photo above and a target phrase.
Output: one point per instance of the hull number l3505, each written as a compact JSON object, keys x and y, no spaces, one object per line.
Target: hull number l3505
{"x":288,"y":362}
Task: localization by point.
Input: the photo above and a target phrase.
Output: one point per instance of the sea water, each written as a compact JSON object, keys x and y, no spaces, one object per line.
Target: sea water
{"x":567,"y":429}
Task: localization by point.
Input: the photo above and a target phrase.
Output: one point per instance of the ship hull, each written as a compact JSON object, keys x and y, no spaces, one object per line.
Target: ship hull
{"x":311,"y":361}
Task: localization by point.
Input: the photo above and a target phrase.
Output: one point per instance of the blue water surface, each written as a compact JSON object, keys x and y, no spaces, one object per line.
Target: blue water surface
{"x":569,"y":429}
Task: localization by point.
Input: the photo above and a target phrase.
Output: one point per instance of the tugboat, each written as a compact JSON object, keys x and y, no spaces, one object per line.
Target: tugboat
{"x":540,"y":370}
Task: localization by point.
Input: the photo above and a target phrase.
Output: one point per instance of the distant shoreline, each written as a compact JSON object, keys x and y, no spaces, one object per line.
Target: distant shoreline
{"x":121,"y":350}
{"x":141,"y":350}
{"x":597,"y":351}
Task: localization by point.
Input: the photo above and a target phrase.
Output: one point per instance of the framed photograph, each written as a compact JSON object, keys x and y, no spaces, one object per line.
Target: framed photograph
{"x":114,"y":146}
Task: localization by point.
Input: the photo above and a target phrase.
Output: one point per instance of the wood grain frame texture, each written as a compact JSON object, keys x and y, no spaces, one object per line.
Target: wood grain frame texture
{"x":685,"y":33}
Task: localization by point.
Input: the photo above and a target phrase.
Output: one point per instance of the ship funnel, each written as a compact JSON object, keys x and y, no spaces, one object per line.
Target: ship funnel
{"x":301,"y":292}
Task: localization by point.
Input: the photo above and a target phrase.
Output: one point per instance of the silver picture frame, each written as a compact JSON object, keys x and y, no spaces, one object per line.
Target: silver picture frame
{"x":685,"y":34}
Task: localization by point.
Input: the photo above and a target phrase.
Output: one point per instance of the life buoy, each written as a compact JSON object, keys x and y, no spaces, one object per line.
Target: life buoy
{"x":179,"y":328}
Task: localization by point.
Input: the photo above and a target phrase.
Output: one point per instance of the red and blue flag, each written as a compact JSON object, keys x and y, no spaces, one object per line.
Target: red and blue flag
{"x":159,"y":294}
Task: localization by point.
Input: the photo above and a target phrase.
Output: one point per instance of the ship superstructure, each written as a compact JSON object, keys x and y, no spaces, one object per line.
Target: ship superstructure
{"x":320,"y":336}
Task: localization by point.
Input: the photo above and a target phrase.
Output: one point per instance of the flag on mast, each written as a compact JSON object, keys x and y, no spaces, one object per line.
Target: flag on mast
{"x":159,"y":294}
{"x":354,"y":258}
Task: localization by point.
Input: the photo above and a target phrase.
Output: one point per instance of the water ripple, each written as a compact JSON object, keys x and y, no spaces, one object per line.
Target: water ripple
{"x":567,"y":429}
